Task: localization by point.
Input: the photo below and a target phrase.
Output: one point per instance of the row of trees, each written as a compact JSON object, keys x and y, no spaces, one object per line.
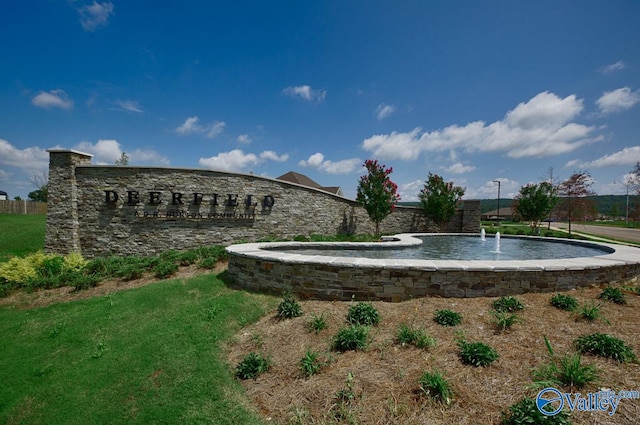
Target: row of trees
{"x":438,"y":199}
{"x":378,"y":195}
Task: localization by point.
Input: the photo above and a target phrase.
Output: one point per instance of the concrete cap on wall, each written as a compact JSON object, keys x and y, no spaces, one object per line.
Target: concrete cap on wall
{"x":60,"y":150}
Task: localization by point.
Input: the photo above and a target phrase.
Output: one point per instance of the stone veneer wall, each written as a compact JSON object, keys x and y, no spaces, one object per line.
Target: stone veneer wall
{"x":265,"y":269}
{"x":80,"y":219}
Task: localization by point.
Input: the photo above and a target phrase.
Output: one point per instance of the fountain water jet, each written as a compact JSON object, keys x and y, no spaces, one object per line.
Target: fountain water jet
{"x":497,"y":247}
{"x":482,"y":235}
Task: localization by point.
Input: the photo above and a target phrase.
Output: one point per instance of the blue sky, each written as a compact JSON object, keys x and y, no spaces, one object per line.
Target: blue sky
{"x":475,"y":91}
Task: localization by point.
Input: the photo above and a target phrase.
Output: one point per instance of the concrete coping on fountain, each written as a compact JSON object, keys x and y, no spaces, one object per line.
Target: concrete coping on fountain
{"x":620,"y":254}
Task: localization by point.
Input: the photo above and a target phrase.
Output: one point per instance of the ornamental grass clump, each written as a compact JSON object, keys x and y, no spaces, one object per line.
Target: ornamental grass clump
{"x":363,"y":313}
{"x":612,"y":294}
{"x":507,"y":304}
{"x":568,"y":371}
{"x":354,"y":337}
{"x":564,"y":302}
{"x":476,"y":354}
{"x":289,"y":307}
{"x":447,"y":317}
{"x":525,"y":412}
{"x":405,"y":335}
{"x":604,"y":345}
{"x":436,"y":386}
{"x":252,"y":365}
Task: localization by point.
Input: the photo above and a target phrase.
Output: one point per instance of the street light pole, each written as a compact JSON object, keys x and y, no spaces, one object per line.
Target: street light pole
{"x":498,"y":215}
{"x":626,"y":216}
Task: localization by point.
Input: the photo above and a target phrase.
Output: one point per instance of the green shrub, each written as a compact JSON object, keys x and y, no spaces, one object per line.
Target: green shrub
{"x":613,"y":294}
{"x":604,"y":345}
{"x":317,"y":323}
{"x":207,"y":263}
{"x":354,"y":337}
{"x":503,"y":320}
{"x":567,"y":370}
{"x":476,"y":354}
{"x":447,"y":317}
{"x":289,"y":307}
{"x":188,"y":258}
{"x":525,"y":412}
{"x":591,"y":312}
{"x":51,"y":266}
{"x":74,"y":262}
{"x":363,"y":313}
{"x":81,"y":281}
{"x":406,"y":335}
{"x":252,"y":365}
{"x":564,"y":302}
{"x":131,"y":272}
{"x":164,"y":269}
{"x":507,"y":304}
{"x":436,"y":386}
{"x":18,"y":271}
{"x":311,"y":363}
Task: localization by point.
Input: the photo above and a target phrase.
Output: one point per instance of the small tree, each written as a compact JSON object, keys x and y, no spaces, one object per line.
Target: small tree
{"x":377,"y":193}
{"x":42,"y":191}
{"x":123,"y":161}
{"x":535,"y":202}
{"x":438,"y":199}
{"x":575,"y":191}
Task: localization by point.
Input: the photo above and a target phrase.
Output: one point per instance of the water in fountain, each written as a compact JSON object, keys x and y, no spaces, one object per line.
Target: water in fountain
{"x":497,"y":248}
{"x":482,"y":235}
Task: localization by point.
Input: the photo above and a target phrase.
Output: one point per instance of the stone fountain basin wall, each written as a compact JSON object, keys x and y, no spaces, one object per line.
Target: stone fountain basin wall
{"x":261,"y":267}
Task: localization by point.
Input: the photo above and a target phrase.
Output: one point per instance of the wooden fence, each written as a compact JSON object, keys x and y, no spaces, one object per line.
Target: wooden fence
{"x":22,"y":207}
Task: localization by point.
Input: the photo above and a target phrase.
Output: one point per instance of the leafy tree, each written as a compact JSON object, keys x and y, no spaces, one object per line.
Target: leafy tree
{"x":123,"y":161}
{"x":535,"y":202}
{"x":438,"y":199}
{"x":377,"y":193}
{"x":575,"y":190}
{"x":17,"y":198}
{"x":40,"y":194}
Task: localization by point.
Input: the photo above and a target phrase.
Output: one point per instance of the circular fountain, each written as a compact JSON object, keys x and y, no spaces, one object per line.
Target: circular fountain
{"x":344,"y":271}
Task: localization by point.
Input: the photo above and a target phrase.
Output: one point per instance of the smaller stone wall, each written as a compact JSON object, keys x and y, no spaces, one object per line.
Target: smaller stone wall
{"x":342,"y":278}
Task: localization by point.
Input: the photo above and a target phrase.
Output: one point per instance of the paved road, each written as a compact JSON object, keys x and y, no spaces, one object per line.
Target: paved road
{"x":632,"y":235}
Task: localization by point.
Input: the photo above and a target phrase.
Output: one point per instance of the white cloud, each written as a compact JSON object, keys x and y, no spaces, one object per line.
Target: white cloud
{"x":108,"y":151}
{"x":409,"y":191}
{"x":383,"y":111}
{"x":305,"y":92}
{"x":191,"y":126}
{"x":105,"y":152}
{"x":537,"y":128}
{"x":627,"y":156}
{"x":271,"y":155}
{"x":618,"y":100}
{"x":237,"y":160}
{"x":96,"y":15}
{"x":32,"y":159}
{"x":344,"y":166}
{"x":147,"y":156}
{"x":52,"y":99}
{"x":489,"y":190}
{"x":244,"y":139}
{"x":608,"y":69}
{"x":459,"y":168}
{"x":129,"y":106}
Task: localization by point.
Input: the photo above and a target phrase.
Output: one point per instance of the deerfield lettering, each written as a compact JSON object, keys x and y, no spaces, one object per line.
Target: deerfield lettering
{"x":154,"y":197}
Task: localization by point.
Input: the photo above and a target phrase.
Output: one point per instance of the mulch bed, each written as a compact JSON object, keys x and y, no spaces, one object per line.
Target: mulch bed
{"x":385,"y":375}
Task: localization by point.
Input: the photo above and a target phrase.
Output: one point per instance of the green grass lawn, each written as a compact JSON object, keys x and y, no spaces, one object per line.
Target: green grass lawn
{"x":147,"y":355}
{"x":21,"y":234}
